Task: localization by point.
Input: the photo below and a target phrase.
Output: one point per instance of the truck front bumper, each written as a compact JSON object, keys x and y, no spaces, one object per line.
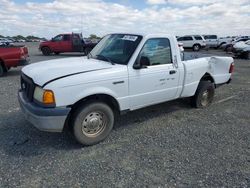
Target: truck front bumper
{"x":45,"y":119}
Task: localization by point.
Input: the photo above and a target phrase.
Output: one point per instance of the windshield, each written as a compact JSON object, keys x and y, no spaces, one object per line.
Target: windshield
{"x":116,"y":48}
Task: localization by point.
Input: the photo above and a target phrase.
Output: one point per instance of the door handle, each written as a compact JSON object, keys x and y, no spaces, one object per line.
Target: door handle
{"x":172,"y":72}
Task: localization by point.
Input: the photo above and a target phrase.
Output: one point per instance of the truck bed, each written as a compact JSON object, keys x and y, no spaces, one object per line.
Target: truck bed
{"x":217,"y":67}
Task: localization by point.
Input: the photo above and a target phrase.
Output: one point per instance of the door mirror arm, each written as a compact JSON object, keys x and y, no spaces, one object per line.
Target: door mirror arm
{"x":139,"y":66}
{"x":142,"y":63}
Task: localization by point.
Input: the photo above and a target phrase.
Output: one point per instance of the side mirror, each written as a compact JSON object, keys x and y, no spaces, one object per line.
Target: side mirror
{"x":52,"y":40}
{"x":142,"y":63}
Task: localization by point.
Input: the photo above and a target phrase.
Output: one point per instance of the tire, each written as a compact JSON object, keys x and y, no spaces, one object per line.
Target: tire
{"x":228,"y":49}
{"x":87,"y":50}
{"x":1,"y":70}
{"x":92,"y":123}
{"x":46,"y":51}
{"x":56,"y":53}
{"x":204,"y":95}
{"x":196,"y":47}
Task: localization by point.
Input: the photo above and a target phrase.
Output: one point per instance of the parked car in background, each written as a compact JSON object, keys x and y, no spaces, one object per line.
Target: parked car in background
{"x":212,"y":41}
{"x":72,"y":42}
{"x":196,"y":42}
{"x":5,"y":41}
{"x":224,"y":40}
{"x":124,"y":72}
{"x":21,"y":40}
{"x":228,"y":47}
{"x":242,"y":49}
{"x":12,"y":56}
{"x":215,"y":42}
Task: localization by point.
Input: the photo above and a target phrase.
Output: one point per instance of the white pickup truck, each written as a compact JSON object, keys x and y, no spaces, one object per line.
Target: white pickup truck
{"x":124,"y":72}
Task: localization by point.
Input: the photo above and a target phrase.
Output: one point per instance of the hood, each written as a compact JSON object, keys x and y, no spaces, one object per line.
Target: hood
{"x":45,"y":71}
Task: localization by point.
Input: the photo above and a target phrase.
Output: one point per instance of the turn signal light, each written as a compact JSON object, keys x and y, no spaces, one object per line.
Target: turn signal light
{"x":48,"y":97}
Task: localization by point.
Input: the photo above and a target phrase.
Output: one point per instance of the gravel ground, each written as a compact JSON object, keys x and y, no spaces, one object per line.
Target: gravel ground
{"x":167,"y":145}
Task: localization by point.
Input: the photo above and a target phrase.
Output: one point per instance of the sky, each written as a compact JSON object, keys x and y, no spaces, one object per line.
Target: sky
{"x":47,"y":18}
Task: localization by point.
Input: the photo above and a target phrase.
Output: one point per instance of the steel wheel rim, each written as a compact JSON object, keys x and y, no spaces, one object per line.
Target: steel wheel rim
{"x":205,"y":98}
{"x":94,"y":124}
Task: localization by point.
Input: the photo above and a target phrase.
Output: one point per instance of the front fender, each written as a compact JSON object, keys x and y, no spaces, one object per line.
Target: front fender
{"x":95,"y":91}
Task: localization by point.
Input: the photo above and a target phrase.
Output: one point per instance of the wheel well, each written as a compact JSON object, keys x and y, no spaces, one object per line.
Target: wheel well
{"x":3,"y":65}
{"x":109,"y":100}
{"x":222,"y":43}
{"x":207,"y":77}
{"x":196,"y":44}
{"x":45,"y":47}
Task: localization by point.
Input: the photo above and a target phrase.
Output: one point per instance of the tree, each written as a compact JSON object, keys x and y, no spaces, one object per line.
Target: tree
{"x":19,"y":37}
{"x":93,"y":36}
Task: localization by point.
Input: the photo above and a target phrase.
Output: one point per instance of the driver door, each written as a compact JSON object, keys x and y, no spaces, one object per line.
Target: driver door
{"x":56,"y":43}
{"x":157,"y":81}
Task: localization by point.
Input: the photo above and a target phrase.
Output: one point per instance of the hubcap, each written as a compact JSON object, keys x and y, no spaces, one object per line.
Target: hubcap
{"x":205,"y":98}
{"x":196,"y":47}
{"x":93,"y":124}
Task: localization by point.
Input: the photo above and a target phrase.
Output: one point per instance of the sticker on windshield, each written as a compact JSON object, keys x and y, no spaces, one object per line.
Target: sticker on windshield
{"x":129,"y":37}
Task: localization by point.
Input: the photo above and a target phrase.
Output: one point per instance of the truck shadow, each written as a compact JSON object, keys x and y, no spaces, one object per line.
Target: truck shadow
{"x":155,"y":111}
{"x":20,"y":138}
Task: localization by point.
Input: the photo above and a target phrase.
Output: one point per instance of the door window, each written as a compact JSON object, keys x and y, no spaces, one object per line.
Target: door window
{"x":187,"y":38}
{"x":66,"y":37}
{"x":197,"y":37}
{"x":180,"y":39}
{"x":58,"y":38}
{"x":156,"y":52}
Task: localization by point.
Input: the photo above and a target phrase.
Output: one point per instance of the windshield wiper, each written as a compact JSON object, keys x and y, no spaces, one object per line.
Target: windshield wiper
{"x":108,"y":59}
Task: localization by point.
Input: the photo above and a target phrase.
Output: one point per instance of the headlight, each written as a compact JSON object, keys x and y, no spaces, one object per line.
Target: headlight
{"x":44,"y":96}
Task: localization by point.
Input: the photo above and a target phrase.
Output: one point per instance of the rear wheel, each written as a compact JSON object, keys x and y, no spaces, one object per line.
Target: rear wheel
{"x":92,"y":123}
{"x":204,"y":95}
{"x":196,"y":47}
{"x":46,"y":51}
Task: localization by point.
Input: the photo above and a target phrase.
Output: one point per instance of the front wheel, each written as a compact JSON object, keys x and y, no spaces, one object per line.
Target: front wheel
{"x":196,"y":47}
{"x":46,"y":51}
{"x":92,"y":123}
{"x":204,"y":95}
{"x":229,"y":49}
{"x":1,"y":70}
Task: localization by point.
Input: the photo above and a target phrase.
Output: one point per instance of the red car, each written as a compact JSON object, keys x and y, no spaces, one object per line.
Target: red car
{"x":12,"y":56}
{"x":66,"y":43}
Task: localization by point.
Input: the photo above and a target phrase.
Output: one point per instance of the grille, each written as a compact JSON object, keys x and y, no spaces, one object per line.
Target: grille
{"x":27,"y":86}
